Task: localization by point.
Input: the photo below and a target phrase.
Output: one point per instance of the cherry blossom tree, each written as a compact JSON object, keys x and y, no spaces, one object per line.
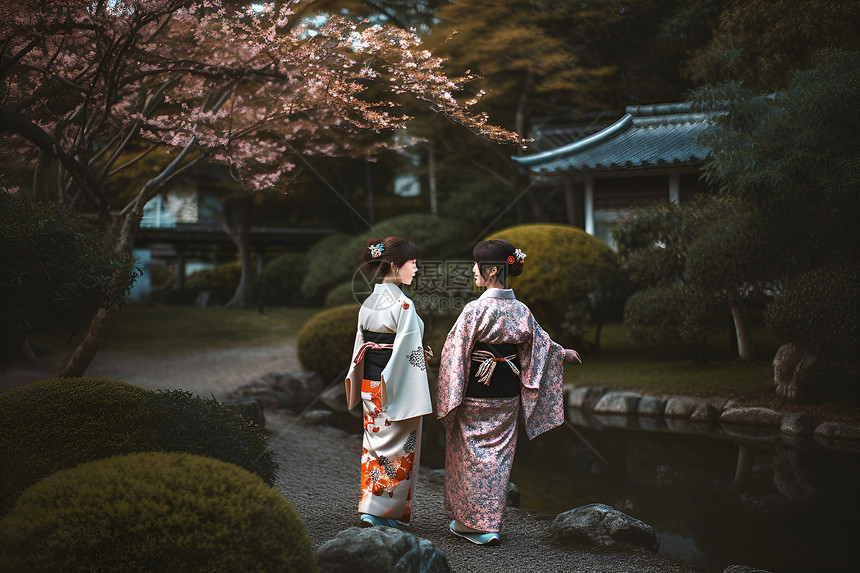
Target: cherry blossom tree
{"x":92,"y":88}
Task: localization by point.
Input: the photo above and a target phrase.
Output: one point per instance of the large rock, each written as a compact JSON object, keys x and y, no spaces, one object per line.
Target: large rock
{"x":584,"y":397}
{"x":752,"y":416}
{"x":682,"y":406}
{"x":792,"y":366}
{"x":704,"y":414}
{"x":795,"y":424}
{"x":290,"y":390}
{"x":356,"y":550}
{"x":602,"y":524}
{"x":335,"y":398}
{"x":651,"y":406}
{"x":838,"y":431}
{"x":617,"y":403}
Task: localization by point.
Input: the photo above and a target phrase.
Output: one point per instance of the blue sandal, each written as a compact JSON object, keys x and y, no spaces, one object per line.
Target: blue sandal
{"x":368,"y":520}
{"x":488,"y":538}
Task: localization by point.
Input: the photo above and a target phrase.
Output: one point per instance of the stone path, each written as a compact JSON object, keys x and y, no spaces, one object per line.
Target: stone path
{"x":206,"y":372}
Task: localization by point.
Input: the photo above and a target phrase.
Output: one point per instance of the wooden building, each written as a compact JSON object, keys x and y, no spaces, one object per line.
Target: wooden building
{"x":650,"y":154}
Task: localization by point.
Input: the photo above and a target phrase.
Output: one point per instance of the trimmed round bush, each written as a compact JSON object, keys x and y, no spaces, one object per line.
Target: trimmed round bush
{"x":819,"y":310}
{"x":196,"y":425}
{"x":564,"y":266}
{"x":437,"y":237}
{"x":161,"y":275}
{"x":325,"y":341}
{"x":674,"y":315}
{"x":328,"y":265}
{"x":59,"y":423}
{"x":154,"y":512}
{"x":344,"y":294}
{"x":281,"y":281}
{"x":54,"y":424}
{"x":335,"y":260}
{"x":221,"y":282}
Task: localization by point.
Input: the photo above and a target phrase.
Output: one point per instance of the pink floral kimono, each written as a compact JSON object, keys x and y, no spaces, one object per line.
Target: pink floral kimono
{"x":481,"y":433}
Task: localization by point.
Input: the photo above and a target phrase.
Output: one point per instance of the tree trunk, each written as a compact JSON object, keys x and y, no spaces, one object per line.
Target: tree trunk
{"x":129,"y":223}
{"x":371,"y":207}
{"x":105,"y":317}
{"x":42,"y":176}
{"x":242,"y":239}
{"x":522,"y":181}
{"x":431,"y":177}
{"x":743,"y":330}
{"x":101,"y":323}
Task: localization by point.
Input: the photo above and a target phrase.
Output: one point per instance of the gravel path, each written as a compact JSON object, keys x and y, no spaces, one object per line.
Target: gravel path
{"x":320,"y":468}
{"x":320,"y":475}
{"x":206,"y":372}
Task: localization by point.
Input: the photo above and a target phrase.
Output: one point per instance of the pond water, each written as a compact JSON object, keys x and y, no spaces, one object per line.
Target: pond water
{"x":714,"y":499}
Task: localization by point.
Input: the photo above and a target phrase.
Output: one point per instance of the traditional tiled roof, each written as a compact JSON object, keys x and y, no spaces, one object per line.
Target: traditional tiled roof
{"x":647,"y":136}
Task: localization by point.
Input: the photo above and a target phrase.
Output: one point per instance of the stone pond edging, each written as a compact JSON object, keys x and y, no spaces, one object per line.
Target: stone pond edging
{"x":597,"y":406}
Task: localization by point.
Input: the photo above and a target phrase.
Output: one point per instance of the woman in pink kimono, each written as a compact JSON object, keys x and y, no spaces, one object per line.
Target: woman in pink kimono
{"x":496,"y":358}
{"x":388,"y":377}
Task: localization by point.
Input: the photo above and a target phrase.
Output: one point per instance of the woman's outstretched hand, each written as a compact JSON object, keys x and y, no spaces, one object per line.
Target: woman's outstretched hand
{"x":572,"y":356}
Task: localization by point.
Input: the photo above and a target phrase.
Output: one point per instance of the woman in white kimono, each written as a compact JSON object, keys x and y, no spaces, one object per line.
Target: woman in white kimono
{"x":388,"y":377}
{"x":496,"y":357}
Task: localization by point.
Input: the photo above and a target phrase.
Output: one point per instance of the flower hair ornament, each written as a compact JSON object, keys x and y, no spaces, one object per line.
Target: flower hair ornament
{"x":376,"y":250}
{"x":519,"y":256}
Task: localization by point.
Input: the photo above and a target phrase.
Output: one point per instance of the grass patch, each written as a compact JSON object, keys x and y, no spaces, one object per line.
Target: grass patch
{"x":622,"y":364}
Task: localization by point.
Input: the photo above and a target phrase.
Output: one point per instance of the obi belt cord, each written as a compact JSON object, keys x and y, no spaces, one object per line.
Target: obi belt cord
{"x":359,"y":356}
{"x":488,"y":361}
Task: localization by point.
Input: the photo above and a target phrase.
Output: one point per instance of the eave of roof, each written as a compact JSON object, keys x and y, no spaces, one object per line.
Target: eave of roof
{"x":652,"y":136}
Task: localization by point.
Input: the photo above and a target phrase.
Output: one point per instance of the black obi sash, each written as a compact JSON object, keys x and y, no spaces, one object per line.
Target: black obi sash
{"x":376,"y":360}
{"x":504,"y":383}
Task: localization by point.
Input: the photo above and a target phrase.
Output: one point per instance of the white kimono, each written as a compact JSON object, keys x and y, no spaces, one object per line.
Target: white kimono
{"x":393,"y":406}
{"x":404,"y":378}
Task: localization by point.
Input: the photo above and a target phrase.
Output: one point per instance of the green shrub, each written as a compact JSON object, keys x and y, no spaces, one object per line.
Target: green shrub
{"x":328,"y":265}
{"x":154,"y":512}
{"x":281,"y":281}
{"x":161,"y":275}
{"x":819,"y":310}
{"x":326,"y":340}
{"x":221,"y":282}
{"x":59,"y":423}
{"x":55,"y":424}
{"x":197,"y":425}
{"x":345,"y":294}
{"x":673,"y":315}
{"x":55,"y":270}
{"x":437,"y":238}
{"x":336,"y":259}
{"x":563,"y":269}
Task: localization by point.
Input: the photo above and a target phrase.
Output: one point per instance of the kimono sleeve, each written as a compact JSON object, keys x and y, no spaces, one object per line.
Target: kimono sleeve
{"x":405,"y":375}
{"x":542,"y":377}
{"x":354,"y":374}
{"x":455,"y":362}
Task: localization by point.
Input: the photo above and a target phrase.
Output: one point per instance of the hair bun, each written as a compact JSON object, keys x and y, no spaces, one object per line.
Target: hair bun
{"x":367,"y":255}
{"x":515,"y":268}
